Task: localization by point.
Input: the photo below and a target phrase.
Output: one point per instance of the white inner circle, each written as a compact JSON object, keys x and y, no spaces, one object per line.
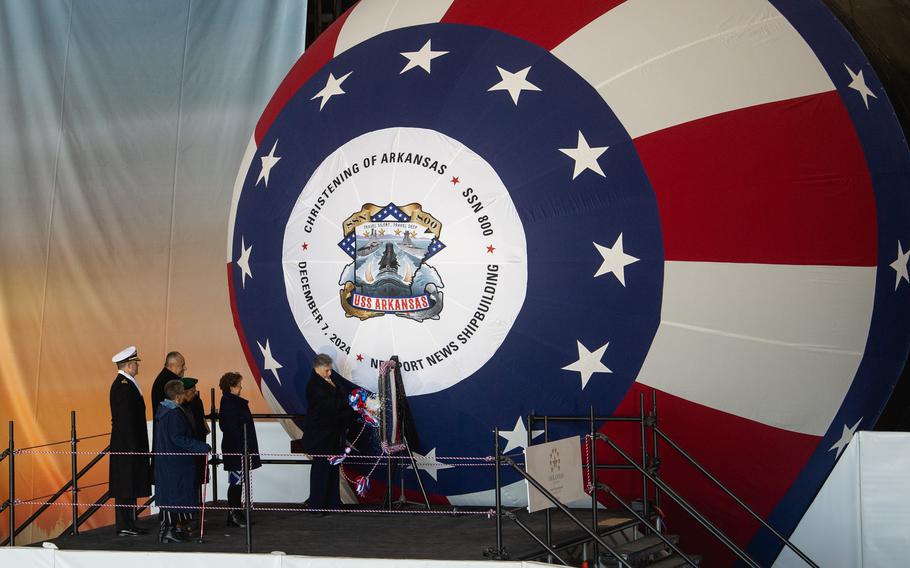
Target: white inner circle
{"x":405,"y":166}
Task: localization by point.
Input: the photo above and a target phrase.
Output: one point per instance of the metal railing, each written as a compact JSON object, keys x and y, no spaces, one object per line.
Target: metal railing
{"x":704,"y":471}
{"x":648,"y":467}
{"x":72,"y":485}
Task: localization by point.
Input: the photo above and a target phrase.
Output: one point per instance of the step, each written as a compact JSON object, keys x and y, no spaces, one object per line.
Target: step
{"x":672,"y":562}
{"x":644,"y":546}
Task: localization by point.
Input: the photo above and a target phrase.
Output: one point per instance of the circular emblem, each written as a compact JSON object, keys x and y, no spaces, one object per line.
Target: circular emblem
{"x":557,"y":214}
{"x":426,"y":266}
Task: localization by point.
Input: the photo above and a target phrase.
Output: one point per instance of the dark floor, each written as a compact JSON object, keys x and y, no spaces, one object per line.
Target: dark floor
{"x":351,"y":534}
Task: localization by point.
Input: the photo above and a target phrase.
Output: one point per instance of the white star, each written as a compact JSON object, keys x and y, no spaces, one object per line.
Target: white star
{"x":518,"y":436}
{"x":268,"y":362}
{"x":900,"y":265}
{"x":585,"y":156}
{"x":588,"y":363}
{"x":421,"y":58}
{"x":332,"y":88}
{"x":845,"y":437}
{"x":615,"y":260}
{"x":244,"y":261}
{"x":429,"y":464}
{"x":515,"y":83}
{"x":858,"y":84}
{"x":268,"y":162}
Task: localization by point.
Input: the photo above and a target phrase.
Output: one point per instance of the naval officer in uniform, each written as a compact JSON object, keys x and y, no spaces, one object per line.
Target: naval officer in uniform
{"x":130,"y":475}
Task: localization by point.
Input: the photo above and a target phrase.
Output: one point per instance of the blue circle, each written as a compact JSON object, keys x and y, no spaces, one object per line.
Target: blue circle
{"x":562,"y":218}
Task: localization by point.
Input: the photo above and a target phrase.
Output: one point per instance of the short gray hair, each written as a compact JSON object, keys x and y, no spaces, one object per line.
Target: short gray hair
{"x":322,"y":360}
{"x":173,"y":388}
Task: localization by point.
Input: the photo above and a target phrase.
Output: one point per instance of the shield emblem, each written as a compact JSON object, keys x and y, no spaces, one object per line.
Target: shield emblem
{"x":389,"y":274}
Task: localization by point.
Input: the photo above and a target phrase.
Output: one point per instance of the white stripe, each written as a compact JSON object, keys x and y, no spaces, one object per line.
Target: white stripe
{"x":659,"y":64}
{"x":368,"y":19}
{"x":248,"y":156}
{"x":289,"y":426}
{"x":778,"y":344}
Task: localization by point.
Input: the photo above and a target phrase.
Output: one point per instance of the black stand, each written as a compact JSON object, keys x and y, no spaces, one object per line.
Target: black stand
{"x":402,"y":501}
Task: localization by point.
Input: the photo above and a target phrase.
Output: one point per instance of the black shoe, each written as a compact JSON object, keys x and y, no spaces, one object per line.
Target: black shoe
{"x":235,"y":519}
{"x":127,"y":532}
{"x":170,"y":535}
{"x":138,"y":530}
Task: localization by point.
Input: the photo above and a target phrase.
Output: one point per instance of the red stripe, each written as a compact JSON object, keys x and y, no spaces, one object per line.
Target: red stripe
{"x":545,"y":23}
{"x":376,"y":494}
{"x":242,"y":336}
{"x":780,"y":183}
{"x":316,"y":56}
{"x":757,"y":462}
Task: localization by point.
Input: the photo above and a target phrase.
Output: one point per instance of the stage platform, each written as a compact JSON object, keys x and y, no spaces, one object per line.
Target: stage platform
{"x":354,"y":534}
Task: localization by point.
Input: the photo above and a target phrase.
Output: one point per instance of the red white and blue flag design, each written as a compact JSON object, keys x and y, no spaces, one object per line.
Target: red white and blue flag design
{"x":705,"y":199}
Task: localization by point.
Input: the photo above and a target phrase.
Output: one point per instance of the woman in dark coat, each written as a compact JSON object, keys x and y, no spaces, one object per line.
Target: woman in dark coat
{"x":327,"y":419}
{"x":233,"y":415}
{"x":175,"y":486}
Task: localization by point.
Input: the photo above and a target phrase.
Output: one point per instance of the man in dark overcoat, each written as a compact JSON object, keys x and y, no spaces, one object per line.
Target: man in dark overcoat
{"x":130,"y":475}
{"x":175,"y":480}
{"x":327,"y":419}
{"x":173,"y":370}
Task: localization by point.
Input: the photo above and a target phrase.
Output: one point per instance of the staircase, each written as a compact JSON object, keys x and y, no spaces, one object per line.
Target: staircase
{"x":644,"y":551}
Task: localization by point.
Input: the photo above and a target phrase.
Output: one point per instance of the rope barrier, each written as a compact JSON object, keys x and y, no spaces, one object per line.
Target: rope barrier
{"x":27,"y":451}
{"x":81,"y":488}
{"x":449,"y":512}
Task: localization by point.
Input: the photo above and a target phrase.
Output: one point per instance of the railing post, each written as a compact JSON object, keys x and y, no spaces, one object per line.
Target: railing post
{"x":247,"y":491}
{"x":592,"y":470}
{"x":214,"y":447}
{"x":547,"y":517}
{"x":74,"y":444}
{"x":496,"y":458}
{"x":655,"y":460}
{"x":12,"y":486}
{"x":644,"y":455}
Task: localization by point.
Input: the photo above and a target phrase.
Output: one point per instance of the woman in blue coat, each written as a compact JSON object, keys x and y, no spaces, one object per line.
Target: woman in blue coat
{"x":233,"y":415}
{"x":174,"y":474}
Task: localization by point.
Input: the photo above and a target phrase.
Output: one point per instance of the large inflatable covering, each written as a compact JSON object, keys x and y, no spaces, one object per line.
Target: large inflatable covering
{"x":552,"y":209}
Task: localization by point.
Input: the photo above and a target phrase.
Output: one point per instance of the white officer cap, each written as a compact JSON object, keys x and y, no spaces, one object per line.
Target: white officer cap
{"x":128,"y":354}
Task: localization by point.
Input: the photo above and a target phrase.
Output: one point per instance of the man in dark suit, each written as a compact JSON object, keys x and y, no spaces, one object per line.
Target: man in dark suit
{"x":130,"y":475}
{"x":327,"y":419}
{"x":174,"y":368}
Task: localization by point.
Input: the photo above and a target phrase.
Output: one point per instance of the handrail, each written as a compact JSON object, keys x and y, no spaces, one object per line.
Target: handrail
{"x":57,"y":495}
{"x":570,"y":543}
{"x":93,"y":508}
{"x":738,"y":501}
{"x":47,"y":445}
{"x":645,"y":522}
{"x":68,"y":486}
{"x":550,"y":550}
{"x":724,"y":539}
{"x":555,"y":500}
